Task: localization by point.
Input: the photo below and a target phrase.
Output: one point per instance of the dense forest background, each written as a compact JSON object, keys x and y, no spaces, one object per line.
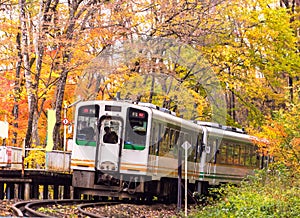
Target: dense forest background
{"x":236,"y":62}
{"x":251,"y":47}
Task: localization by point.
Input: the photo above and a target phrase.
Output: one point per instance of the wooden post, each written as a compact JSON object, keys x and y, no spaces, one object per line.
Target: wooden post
{"x":35,"y":191}
{"x":27,"y":192}
{"x":1,"y":190}
{"x":67,"y":192}
{"x":55,"y":187}
{"x":16,"y":191}
{"x":45,"y":192}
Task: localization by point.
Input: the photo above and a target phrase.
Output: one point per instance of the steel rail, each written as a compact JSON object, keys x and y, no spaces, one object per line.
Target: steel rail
{"x":19,"y":208}
{"x":82,"y":206}
{"x":24,"y":208}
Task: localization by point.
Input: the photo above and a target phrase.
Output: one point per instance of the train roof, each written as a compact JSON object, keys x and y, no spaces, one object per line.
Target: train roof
{"x":220,"y":126}
{"x":158,"y":112}
{"x":226,"y":132}
{"x":170,"y":116}
{"x":163,"y":113}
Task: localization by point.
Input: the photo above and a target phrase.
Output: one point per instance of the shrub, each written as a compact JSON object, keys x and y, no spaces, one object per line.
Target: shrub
{"x":269,"y":193}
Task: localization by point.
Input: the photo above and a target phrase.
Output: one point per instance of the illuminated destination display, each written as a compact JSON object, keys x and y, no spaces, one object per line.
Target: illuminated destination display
{"x":90,"y":110}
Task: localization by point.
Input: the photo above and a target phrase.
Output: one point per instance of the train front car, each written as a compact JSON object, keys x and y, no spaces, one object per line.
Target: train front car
{"x":122,"y":151}
{"x":117,"y":155}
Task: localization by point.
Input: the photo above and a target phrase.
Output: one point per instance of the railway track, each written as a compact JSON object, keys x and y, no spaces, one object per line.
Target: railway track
{"x":54,"y":208}
{"x":87,"y":208}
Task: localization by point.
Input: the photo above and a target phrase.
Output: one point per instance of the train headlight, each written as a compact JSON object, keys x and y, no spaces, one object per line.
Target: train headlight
{"x":107,"y":165}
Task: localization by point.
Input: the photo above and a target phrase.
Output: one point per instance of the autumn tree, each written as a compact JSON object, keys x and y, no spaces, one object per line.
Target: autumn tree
{"x":13,"y":94}
{"x":253,"y":55}
{"x":157,"y":71}
{"x":293,"y":8}
{"x":245,"y":43}
{"x":50,"y":41}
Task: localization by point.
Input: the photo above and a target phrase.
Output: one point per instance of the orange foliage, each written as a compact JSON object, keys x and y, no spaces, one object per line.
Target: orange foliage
{"x":282,"y":143}
{"x":6,"y":107}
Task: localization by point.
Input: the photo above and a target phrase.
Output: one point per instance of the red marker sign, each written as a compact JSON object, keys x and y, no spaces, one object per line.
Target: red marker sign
{"x":65,"y":121}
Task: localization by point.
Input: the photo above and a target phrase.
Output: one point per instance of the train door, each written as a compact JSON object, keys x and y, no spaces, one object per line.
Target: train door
{"x":154,"y":148}
{"x":108,"y":152}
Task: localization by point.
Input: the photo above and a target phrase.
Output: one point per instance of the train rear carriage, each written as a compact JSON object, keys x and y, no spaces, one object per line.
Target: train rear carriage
{"x":230,"y":154}
{"x":166,"y":154}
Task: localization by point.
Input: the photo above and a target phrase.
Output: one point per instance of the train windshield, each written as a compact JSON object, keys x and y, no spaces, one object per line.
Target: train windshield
{"x":86,"y":125}
{"x":136,"y":129}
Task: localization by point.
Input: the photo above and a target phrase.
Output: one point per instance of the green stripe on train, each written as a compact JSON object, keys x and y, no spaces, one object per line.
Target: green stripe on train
{"x":220,"y":177}
{"x":133,"y":146}
{"x":86,"y":143}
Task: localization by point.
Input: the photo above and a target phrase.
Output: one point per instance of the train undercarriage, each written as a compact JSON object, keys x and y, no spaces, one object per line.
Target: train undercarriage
{"x":133,"y":187}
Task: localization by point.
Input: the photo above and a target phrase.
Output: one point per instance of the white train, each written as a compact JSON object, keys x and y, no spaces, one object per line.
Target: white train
{"x":144,"y":156}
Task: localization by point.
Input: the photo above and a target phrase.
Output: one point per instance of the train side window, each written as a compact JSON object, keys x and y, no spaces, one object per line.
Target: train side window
{"x":192,"y":139}
{"x":176,"y":138}
{"x":198,"y":149}
{"x":159,"y":139}
{"x":230,"y":154}
{"x":187,"y":137}
{"x":154,"y":139}
{"x":242,"y":154}
{"x":216,"y":150}
{"x":248,"y":155}
{"x":181,"y":138}
{"x":172,"y":138}
{"x":258,"y":156}
{"x":222,"y":153}
{"x":200,"y":146}
{"x":253,"y":156}
{"x":164,"y":145}
{"x":236,"y":154}
{"x":197,"y":144}
{"x":213,"y":144}
{"x":174,"y":135}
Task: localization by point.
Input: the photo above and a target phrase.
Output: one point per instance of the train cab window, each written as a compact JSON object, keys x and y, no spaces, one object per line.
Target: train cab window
{"x":86,"y":124}
{"x":136,"y":129}
{"x":110,"y":129}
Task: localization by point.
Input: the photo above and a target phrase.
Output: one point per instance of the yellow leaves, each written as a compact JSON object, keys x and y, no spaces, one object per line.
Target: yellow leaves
{"x":282,"y":132}
{"x":35,"y":158}
{"x":295,"y":143}
{"x":276,"y":136}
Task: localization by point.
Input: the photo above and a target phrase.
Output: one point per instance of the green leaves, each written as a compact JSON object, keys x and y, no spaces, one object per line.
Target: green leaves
{"x":272,"y":193}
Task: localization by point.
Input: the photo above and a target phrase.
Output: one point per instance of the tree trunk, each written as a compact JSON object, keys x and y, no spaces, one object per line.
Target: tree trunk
{"x":17,"y":91}
{"x":60,"y":90}
{"x":26,"y":61}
